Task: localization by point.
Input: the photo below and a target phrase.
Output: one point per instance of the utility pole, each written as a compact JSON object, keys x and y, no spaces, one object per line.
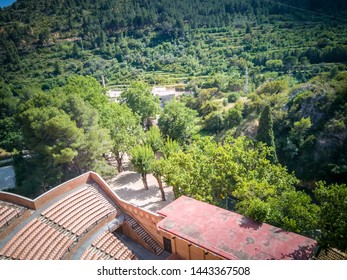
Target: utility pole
{"x":103,"y":81}
{"x":246,"y":80}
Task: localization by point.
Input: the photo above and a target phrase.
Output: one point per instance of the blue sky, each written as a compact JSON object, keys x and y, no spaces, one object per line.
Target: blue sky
{"x":4,"y":3}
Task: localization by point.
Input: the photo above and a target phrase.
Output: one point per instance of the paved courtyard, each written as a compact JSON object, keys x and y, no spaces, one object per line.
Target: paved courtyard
{"x":129,"y":186}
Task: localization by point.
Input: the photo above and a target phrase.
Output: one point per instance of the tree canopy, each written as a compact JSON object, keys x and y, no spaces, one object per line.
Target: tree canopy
{"x":238,"y":168}
{"x":265,"y":132}
{"x":177,"y":121}
{"x":62,"y":128}
{"x":124,"y":128}
{"x":140,"y":100}
{"x":333,"y":215}
{"x":142,"y":158}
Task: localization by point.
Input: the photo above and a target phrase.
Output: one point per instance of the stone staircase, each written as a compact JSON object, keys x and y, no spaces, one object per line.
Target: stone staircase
{"x":144,"y":235}
{"x":140,"y":231}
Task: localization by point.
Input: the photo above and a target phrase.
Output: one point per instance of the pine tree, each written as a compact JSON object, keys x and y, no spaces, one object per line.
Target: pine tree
{"x":265,"y":132}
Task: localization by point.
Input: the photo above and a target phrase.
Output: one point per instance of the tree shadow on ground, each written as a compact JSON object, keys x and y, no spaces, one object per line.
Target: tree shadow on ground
{"x":127,"y":178}
{"x":155,"y":206}
{"x":129,"y":194}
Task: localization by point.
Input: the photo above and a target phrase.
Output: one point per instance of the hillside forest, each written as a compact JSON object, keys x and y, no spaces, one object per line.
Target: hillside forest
{"x":258,"y":125}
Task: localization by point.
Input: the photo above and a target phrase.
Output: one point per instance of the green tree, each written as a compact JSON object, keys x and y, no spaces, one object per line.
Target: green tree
{"x":177,"y":121}
{"x":233,"y":97}
{"x":193,"y":179}
{"x":54,"y":137}
{"x":273,"y":87}
{"x":79,"y":111}
{"x":44,"y":36}
{"x":11,"y":53}
{"x":124,"y":128}
{"x":34,"y":175}
{"x":257,"y":209}
{"x":83,"y":99}
{"x":265,"y":132}
{"x":208,"y":107}
{"x":140,"y":100}
{"x":290,"y":61}
{"x":88,"y":88}
{"x":265,"y":192}
{"x":58,"y":70}
{"x":90,"y":156}
{"x":170,"y":147}
{"x":10,"y":133}
{"x":63,"y":131}
{"x":158,"y":169}
{"x":154,"y":139}
{"x":333,"y":215}
{"x":274,"y":64}
{"x":294,"y":211}
{"x":142,"y":158}
{"x":51,"y":132}
{"x":214,"y":122}
{"x":299,"y":131}
{"x":233,"y":116}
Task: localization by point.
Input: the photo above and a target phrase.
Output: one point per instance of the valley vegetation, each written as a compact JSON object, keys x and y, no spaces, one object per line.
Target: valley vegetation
{"x":262,"y":132}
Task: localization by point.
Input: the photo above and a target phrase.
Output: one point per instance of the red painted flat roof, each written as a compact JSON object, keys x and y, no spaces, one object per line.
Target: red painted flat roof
{"x":231,"y":235}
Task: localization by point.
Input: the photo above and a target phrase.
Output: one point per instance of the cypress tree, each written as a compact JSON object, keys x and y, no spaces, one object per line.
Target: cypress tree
{"x":265,"y":132}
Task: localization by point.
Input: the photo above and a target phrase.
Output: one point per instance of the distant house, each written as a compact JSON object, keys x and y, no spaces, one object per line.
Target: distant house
{"x":165,"y":94}
{"x":114,"y":94}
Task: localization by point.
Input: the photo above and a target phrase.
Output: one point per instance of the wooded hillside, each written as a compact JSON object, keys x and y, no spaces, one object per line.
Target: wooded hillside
{"x":264,"y":124}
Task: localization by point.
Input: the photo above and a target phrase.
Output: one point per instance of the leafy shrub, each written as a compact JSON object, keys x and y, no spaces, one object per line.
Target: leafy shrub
{"x":233,"y":97}
{"x":214,"y":122}
{"x":233,"y":117}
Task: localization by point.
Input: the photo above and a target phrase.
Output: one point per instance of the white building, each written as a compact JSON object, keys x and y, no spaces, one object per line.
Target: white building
{"x":165,"y":94}
{"x":114,"y":94}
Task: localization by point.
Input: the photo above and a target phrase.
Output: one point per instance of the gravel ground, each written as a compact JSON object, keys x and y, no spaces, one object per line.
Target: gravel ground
{"x":129,"y":186}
